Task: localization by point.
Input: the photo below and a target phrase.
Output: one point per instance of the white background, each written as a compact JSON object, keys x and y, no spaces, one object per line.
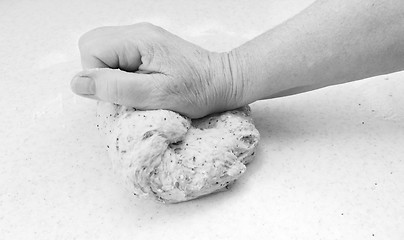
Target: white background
{"x":330,"y":164}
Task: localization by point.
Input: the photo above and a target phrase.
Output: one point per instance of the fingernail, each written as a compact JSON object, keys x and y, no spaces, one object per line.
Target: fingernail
{"x":83,"y":85}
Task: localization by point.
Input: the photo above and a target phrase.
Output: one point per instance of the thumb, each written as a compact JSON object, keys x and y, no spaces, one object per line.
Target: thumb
{"x":126,"y":88}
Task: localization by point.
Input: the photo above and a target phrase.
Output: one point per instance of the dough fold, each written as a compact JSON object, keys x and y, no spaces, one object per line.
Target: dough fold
{"x":167,"y":157}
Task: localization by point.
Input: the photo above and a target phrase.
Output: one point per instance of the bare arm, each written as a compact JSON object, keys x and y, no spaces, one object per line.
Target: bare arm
{"x":330,"y":42}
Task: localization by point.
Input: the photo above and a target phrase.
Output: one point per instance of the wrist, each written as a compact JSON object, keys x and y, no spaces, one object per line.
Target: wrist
{"x":237,"y":83}
{"x":245,"y":76}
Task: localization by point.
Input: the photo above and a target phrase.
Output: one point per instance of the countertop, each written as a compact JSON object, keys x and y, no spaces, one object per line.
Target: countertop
{"x":330,"y":164}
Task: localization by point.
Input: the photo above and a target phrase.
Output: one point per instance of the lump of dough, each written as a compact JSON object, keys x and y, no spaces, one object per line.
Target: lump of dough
{"x":167,"y":157}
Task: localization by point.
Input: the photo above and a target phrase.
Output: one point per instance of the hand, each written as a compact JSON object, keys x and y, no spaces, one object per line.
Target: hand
{"x":146,"y":67}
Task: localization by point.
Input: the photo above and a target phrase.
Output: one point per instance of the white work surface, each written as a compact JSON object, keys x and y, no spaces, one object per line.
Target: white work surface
{"x":330,"y":164}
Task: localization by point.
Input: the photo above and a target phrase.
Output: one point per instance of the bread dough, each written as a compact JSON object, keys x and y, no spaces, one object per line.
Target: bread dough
{"x":167,"y":157}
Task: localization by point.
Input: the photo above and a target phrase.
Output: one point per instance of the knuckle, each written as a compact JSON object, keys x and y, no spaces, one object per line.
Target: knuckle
{"x":149,"y":27}
{"x":87,"y":36}
{"x":144,"y":24}
{"x":82,"y":41}
{"x":95,"y":34}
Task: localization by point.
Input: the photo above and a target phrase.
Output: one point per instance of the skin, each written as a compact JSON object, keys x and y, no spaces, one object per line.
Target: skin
{"x":330,"y":42}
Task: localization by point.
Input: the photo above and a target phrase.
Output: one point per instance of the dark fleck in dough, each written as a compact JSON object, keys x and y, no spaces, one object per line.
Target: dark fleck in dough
{"x":167,"y":157}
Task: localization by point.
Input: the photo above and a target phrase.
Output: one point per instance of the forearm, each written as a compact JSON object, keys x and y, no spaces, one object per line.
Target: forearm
{"x":330,"y":42}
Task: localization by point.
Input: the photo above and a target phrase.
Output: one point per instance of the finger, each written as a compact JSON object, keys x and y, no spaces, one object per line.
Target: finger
{"x":112,"y":85}
{"x":109,"y":47}
{"x":89,"y":61}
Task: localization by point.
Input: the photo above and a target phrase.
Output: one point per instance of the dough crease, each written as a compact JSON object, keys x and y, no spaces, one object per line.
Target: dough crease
{"x":167,"y":157}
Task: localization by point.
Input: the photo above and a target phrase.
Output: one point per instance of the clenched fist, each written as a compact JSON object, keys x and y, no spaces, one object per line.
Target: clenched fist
{"x":146,"y":67}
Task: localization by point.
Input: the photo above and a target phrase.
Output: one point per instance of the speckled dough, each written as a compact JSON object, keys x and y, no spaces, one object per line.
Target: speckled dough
{"x":165,"y":156}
